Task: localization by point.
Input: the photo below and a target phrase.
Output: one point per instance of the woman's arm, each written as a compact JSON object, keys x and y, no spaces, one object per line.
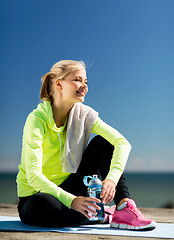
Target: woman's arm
{"x":34,"y":132}
{"x":121,"y":148}
{"x":120,"y":155}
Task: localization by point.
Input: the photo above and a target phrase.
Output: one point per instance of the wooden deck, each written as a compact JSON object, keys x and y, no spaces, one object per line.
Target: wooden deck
{"x":158,"y":214}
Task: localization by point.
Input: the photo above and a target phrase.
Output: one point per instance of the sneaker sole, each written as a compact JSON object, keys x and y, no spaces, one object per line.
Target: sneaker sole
{"x":136,"y":228}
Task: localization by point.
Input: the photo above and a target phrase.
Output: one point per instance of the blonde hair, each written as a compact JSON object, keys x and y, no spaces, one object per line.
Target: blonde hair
{"x":58,"y":71}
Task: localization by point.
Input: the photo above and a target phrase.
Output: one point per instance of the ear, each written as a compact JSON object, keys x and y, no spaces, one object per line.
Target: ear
{"x":58,"y":83}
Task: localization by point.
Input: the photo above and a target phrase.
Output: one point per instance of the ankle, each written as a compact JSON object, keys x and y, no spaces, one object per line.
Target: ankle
{"x":122,"y":201}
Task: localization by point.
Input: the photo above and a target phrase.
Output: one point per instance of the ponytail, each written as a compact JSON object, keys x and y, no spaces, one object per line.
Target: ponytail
{"x":46,"y":89}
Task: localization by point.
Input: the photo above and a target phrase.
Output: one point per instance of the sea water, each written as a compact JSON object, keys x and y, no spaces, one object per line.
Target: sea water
{"x":147,"y":189}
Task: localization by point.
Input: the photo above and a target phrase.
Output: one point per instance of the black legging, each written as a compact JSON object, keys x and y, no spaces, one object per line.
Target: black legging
{"x":45,"y":210}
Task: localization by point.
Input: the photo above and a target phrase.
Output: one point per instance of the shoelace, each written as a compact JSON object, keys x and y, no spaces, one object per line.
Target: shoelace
{"x":136,"y":211}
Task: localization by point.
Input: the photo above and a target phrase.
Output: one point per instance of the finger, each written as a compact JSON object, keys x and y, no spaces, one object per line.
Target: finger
{"x":104,"y":199}
{"x":85,"y":214}
{"x":107,"y":196}
{"x":93,"y":205}
{"x":93,"y":199}
{"x":108,"y":200}
{"x":102,"y":192}
{"x":90,"y":210}
{"x":110,"y":196}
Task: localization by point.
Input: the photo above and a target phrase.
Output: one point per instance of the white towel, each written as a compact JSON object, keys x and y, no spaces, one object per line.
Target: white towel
{"x":80,"y":122}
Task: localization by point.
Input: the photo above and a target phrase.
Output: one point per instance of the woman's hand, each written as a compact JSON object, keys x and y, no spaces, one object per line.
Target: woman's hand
{"x":82,"y":204}
{"x":108,"y":191}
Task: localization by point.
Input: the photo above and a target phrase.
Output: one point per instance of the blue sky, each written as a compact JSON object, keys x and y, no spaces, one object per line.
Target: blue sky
{"x":128,"y":47}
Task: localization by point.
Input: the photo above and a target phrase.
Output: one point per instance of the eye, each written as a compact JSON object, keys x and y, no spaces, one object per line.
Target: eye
{"x":77,"y":80}
{"x":80,"y":80}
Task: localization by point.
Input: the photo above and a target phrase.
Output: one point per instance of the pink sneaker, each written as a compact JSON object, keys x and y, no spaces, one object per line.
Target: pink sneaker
{"x":128,"y":216}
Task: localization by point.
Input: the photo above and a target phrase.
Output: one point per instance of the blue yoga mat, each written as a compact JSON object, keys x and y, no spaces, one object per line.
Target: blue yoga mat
{"x":163,"y":230}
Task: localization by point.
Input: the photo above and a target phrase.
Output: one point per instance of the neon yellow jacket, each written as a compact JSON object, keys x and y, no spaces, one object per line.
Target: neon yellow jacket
{"x":42,"y":150}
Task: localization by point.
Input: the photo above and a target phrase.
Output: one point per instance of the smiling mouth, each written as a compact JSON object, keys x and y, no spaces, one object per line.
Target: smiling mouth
{"x":82,"y":94}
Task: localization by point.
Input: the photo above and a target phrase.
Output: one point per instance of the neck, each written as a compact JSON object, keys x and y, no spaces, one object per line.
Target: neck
{"x":60,"y":112}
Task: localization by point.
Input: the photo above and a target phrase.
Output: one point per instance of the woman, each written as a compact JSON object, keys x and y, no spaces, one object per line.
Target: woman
{"x":55,"y":157}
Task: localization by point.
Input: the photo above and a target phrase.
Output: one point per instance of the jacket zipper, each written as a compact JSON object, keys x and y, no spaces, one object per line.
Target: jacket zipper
{"x":60,"y":154}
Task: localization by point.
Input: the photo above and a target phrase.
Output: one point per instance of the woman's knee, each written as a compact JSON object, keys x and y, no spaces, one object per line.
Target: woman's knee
{"x":100,"y":141}
{"x":101,"y":145}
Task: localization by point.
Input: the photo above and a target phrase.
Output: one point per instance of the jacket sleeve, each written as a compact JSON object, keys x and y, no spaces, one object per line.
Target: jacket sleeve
{"x":34,"y":132}
{"x":121,"y":148}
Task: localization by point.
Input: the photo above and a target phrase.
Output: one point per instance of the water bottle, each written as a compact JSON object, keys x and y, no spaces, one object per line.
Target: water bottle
{"x":94,"y":190}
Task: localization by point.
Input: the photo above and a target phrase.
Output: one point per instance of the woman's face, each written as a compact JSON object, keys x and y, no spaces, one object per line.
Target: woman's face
{"x":74,"y":86}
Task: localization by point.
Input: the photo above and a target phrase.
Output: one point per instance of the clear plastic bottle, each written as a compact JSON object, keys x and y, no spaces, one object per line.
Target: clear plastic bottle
{"x":94,"y":190}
